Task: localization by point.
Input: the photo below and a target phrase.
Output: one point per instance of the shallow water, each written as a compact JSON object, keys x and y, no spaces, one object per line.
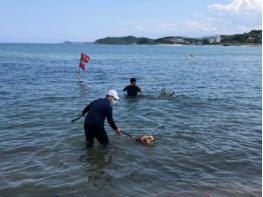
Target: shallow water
{"x":208,"y":137}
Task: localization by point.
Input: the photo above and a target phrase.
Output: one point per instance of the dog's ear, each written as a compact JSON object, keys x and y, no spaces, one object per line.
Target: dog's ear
{"x":145,"y":141}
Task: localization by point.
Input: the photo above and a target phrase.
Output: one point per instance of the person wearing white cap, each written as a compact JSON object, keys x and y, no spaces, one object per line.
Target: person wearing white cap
{"x":96,"y":113}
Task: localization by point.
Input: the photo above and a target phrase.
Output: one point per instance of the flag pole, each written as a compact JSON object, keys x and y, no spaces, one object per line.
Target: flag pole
{"x":79,"y":74}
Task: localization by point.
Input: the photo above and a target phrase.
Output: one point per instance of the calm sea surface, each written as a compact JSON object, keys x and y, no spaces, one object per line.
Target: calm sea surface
{"x":208,"y":137}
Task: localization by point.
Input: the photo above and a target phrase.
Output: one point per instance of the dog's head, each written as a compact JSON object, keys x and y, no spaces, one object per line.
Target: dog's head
{"x":147,"y":139}
{"x":163,"y":92}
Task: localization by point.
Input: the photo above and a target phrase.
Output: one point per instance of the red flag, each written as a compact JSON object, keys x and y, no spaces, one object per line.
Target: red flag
{"x":84,"y":58}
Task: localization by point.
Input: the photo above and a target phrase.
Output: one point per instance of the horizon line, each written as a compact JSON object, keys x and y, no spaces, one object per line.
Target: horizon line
{"x":61,"y":42}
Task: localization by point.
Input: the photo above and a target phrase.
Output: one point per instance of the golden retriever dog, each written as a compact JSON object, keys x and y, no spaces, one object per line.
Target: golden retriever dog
{"x":146,"y":139}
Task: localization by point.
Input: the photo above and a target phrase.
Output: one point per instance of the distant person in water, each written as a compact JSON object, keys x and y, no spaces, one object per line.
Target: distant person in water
{"x":96,"y":112}
{"x":132,"y":89}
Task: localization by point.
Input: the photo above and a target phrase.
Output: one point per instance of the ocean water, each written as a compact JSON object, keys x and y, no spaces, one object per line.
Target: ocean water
{"x":208,"y":137}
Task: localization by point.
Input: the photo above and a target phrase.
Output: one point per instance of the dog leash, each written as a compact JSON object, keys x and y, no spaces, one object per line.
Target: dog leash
{"x":126,"y":134}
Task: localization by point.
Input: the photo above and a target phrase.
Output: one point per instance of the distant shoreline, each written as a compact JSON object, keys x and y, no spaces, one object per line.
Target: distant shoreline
{"x":254,"y":37}
{"x":169,"y":45}
{"x":172,"y":45}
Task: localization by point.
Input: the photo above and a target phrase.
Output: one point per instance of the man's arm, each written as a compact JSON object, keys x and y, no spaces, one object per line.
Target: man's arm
{"x":139,"y":89}
{"x":110,"y":119}
{"x":86,"y":109}
{"x":126,"y":88}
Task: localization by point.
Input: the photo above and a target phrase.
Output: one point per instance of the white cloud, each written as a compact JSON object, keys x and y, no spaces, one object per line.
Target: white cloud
{"x":217,"y":25}
{"x":237,"y":6}
{"x":238,"y":16}
{"x":191,"y":27}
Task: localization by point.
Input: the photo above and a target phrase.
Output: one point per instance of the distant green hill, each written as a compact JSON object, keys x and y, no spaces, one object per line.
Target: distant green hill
{"x":253,"y":37}
{"x":122,"y":40}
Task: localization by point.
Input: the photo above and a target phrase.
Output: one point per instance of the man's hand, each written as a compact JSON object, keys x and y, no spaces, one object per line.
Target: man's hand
{"x":118,"y":131}
{"x":142,"y":89}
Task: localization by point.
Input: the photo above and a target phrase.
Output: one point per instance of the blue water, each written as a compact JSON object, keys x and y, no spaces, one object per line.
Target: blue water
{"x":208,"y":137}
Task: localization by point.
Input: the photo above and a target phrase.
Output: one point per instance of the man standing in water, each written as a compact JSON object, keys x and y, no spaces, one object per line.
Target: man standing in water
{"x":97,"y":111}
{"x":132,"y":89}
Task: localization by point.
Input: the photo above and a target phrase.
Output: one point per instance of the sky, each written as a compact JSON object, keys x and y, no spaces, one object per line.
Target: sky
{"x":53,"y":21}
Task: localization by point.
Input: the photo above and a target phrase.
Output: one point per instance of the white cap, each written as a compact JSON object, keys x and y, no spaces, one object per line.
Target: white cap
{"x":113,"y":93}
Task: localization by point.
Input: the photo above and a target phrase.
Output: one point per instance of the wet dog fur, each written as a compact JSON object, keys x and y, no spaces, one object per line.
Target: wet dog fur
{"x":165,"y":93}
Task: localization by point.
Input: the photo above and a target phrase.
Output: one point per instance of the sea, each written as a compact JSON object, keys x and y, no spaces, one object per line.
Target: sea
{"x":208,"y":136}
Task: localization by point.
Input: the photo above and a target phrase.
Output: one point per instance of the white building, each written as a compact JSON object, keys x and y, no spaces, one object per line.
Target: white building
{"x":218,"y":39}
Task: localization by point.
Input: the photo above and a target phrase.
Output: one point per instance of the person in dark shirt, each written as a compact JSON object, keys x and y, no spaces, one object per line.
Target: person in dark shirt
{"x":96,"y":112}
{"x":132,"y":89}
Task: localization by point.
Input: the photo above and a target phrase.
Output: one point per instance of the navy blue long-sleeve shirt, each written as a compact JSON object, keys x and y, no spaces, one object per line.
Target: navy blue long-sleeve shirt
{"x":132,"y":90}
{"x":97,"y":111}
